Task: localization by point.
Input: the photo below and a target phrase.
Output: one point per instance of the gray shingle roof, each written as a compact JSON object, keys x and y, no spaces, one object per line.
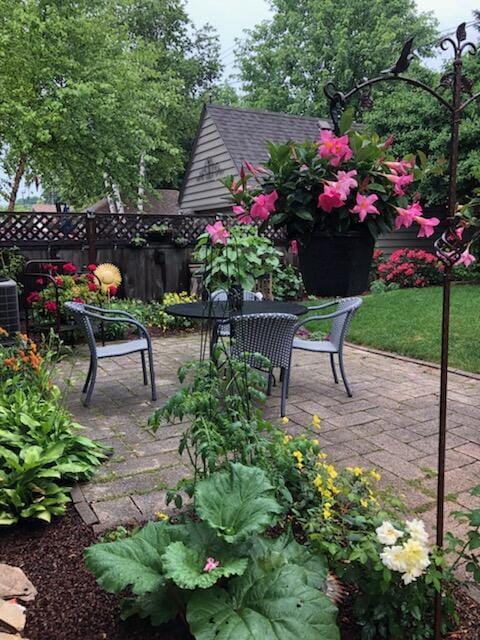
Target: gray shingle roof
{"x":244,"y":131}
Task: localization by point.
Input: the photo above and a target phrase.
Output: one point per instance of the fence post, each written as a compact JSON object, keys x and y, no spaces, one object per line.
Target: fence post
{"x":91,"y":228}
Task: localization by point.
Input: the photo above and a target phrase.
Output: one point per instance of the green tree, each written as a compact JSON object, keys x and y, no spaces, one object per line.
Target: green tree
{"x":285,"y":62}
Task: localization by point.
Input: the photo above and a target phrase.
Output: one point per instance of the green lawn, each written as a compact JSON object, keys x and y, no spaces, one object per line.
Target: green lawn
{"x":408,"y":322}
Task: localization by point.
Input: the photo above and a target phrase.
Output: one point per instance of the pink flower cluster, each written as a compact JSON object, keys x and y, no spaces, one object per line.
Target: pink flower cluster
{"x":336,"y":150}
{"x":407,"y":216}
{"x":411,"y":268}
{"x":263,"y":205}
{"x":217,"y":232}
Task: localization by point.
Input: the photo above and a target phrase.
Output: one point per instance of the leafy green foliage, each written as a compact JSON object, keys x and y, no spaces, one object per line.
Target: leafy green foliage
{"x":466,"y":549}
{"x":286,"y":282}
{"x":246,"y":256}
{"x":186,"y":569}
{"x":274,"y":604}
{"x":252,"y":506}
{"x":12,"y":263}
{"x":343,"y":42}
{"x":41,"y":449}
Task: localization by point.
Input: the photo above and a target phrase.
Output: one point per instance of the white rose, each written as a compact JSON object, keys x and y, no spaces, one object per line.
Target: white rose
{"x":417,"y":531}
{"x":387,"y":534}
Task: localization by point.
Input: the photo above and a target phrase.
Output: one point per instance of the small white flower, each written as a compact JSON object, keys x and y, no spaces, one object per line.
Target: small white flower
{"x":387,"y":534}
{"x":392,"y":558}
{"x":417,"y":531}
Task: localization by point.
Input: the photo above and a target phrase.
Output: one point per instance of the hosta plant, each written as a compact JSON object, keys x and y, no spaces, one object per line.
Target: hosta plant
{"x":218,"y":573}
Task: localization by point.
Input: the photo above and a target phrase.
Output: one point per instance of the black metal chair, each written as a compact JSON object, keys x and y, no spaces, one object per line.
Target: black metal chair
{"x":342,"y":317}
{"x":84,"y":315}
{"x":270,"y":335}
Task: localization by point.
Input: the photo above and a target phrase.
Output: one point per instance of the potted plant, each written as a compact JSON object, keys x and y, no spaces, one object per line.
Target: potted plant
{"x":333,"y":197}
{"x":158,"y":232}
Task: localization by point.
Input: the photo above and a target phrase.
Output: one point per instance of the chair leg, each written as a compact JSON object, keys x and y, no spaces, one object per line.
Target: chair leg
{"x":93,"y":377}
{"x":89,"y":375}
{"x":344,"y":377}
{"x":144,"y":368}
{"x":283,"y":402}
{"x":152,"y":374}
{"x":334,"y":371}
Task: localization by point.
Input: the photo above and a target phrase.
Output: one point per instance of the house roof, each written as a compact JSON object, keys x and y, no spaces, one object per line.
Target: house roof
{"x":162,"y":201}
{"x":41,"y":207}
{"x":245,"y":131}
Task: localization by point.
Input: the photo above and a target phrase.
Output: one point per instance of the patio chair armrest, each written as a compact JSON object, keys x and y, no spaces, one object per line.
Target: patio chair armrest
{"x":327,"y":316}
{"x":323,"y":306}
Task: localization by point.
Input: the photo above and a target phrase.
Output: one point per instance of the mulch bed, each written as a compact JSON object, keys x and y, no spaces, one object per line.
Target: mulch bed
{"x":71,"y":606}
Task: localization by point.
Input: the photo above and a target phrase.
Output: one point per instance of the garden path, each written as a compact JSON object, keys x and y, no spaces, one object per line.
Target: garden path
{"x":390,"y":424}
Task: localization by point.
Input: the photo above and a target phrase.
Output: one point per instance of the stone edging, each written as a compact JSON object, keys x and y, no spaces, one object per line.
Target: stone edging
{"x":423,"y":363}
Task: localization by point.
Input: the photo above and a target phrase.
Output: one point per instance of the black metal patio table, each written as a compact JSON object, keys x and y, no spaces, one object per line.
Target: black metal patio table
{"x":221,"y":310}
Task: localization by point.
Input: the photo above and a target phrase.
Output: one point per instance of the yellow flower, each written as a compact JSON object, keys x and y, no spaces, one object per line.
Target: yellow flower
{"x":332,"y":472}
{"x":327,"y":494}
{"x":285,"y":420}
{"x":286,"y":439}
{"x":318,"y":482}
{"x":327,"y":511}
{"x":315,"y":441}
{"x":375,"y":475}
{"x":316,"y":421}
{"x":298,"y":455}
{"x":161,"y":516}
{"x":357,"y":471}
{"x":364,"y":503}
{"x":322,"y":456}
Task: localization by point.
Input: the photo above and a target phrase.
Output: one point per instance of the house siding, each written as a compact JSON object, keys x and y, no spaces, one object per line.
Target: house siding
{"x":210,"y":162}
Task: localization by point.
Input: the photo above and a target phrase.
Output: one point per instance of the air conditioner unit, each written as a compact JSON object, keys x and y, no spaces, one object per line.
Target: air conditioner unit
{"x":9,"y":313}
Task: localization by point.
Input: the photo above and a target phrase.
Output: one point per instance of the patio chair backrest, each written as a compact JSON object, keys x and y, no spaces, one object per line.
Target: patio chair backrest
{"x":220,"y":295}
{"x":341,"y":324}
{"x":270,"y":334}
{"x":78,"y":311}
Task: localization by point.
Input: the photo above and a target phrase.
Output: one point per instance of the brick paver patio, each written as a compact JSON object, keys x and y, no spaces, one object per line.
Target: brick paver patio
{"x":391,"y":424}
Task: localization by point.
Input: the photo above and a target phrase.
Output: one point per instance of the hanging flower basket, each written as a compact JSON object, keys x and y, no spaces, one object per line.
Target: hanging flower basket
{"x":334,"y":197}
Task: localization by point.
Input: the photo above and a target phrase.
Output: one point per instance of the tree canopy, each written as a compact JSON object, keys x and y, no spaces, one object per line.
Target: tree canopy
{"x":91,"y":87}
{"x":285,"y":62}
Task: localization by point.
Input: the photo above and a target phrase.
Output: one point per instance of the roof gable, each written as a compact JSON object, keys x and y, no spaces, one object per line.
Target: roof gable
{"x":245,"y":131}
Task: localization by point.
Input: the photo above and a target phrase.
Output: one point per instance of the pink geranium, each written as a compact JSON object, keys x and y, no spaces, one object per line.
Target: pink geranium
{"x":399,"y":182}
{"x":400,"y":168}
{"x":330,"y":199}
{"x":263,"y":205}
{"x":69,"y":267}
{"x":427,"y":226}
{"x":32,"y":297}
{"x":406,"y":216}
{"x":365,"y":206}
{"x":217,"y":232}
{"x":50,"y":306}
{"x":92,"y":267}
{"x":466,"y":258}
{"x":59,"y":281}
{"x":210,"y":565}
{"x":333,"y":148}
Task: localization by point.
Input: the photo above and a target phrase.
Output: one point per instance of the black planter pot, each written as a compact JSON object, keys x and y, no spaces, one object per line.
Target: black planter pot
{"x":337,"y":265}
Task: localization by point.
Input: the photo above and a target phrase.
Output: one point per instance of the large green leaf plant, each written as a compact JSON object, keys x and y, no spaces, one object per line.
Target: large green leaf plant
{"x":219,"y":573}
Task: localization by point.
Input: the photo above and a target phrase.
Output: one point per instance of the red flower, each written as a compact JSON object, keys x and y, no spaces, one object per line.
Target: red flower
{"x":92,"y":267}
{"x":92,"y":286}
{"x":59,"y":281}
{"x":69,"y":267}
{"x":32,"y":297}
{"x":39,"y":281}
{"x":79,"y":300}
{"x":112,"y":290}
{"x":50,"y":306}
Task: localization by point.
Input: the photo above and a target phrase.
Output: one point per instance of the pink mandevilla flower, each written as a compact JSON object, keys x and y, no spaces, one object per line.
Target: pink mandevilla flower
{"x":427,"y":226}
{"x":210,"y":565}
{"x":217,"y":232}
{"x":466,"y":258}
{"x":406,"y":216}
{"x":346,"y":182}
{"x":330,"y":199}
{"x":263,"y":205}
{"x":399,"y":182}
{"x":365,"y":206}
{"x":337,"y":150}
{"x":400,"y":168}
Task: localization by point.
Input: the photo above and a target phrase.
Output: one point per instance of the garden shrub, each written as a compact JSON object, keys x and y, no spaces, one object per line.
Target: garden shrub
{"x":41,"y":448}
{"x":218,"y":572}
{"x":287,"y":282}
{"x":243,"y":258}
{"x":12,"y":263}
{"x":411,"y":268}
